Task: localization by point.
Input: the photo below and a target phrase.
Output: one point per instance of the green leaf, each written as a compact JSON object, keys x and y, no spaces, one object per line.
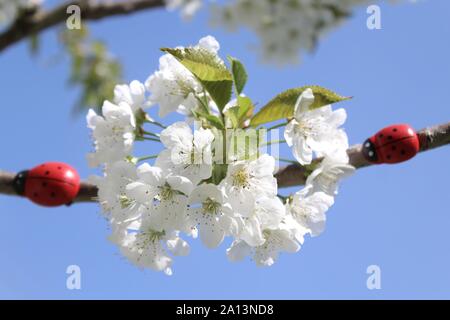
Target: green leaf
{"x":212,"y":119}
{"x":243,"y":111}
{"x":233,"y":114}
{"x":209,"y":70}
{"x":239,"y":74}
{"x":246,"y":108}
{"x":282,"y":106}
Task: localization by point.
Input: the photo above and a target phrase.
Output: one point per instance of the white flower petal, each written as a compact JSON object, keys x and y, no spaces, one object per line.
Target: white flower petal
{"x":178,"y":246}
{"x":181,"y":184}
{"x":211,"y":236}
{"x":238,"y":251}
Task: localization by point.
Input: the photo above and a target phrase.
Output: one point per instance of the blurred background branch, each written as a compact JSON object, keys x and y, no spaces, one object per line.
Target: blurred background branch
{"x":92,"y":67}
{"x":37,"y":19}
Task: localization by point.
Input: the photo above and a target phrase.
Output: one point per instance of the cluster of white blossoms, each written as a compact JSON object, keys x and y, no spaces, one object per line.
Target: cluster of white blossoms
{"x":200,"y":186}
{"x":284,"y":27}
{"x":10,"y":8}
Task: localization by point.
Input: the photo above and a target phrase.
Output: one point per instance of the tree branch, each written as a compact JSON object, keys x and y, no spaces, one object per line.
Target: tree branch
{"x":430,"y":138}
{"x":291,"y":175}
{"x":34,"y":22}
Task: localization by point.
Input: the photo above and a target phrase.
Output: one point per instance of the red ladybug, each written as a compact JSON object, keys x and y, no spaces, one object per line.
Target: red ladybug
{"x":393,"y":144}
{"x":49,"y":184}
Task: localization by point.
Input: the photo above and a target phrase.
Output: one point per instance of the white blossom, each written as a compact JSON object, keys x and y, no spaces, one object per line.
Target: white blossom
{"x":212,"y":215}
{"x":267,"y":213}
{"x":327,"y":175}
{"x":248,"y":180}
{"x":309,"y":210}
{"x":132,"y":94}
{"x":113,"y":133}
{"x":163,"y":197}
{"x":149,"y":248}
{"x":209,"y":43}
{"x":112,"y":191}
{"x":173,"y":87}
{"x":284,"y":239}
{"x":188,"y":154}
{"x":315,"y":130}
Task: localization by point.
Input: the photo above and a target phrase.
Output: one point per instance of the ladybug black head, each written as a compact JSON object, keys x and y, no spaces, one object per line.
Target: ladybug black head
{"x":369,"y":152}
{"x":19,"y":182}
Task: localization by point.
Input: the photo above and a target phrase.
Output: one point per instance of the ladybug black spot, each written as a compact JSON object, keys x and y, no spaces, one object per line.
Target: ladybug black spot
{"x":390,"y":137}
{"x":381,"y":135}
{"x":47,"y":173}
{"x":395,"y":129}
{"x":403,"y":152}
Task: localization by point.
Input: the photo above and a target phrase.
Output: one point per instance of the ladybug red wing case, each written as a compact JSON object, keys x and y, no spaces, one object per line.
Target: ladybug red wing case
{"x":393,"y":144}
{"x":52,"y":184}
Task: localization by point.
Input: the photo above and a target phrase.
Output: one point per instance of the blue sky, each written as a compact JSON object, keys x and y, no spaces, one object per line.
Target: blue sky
{"x":396,"y":217}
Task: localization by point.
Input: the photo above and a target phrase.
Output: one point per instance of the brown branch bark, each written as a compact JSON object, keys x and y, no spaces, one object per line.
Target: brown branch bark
{"x":34,"y":22}
{"x":291,"y":175}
